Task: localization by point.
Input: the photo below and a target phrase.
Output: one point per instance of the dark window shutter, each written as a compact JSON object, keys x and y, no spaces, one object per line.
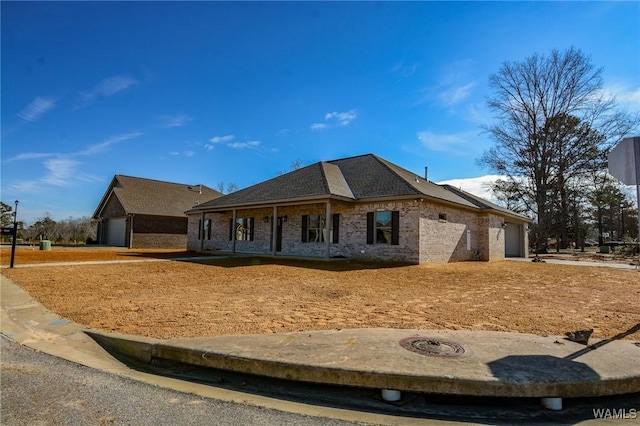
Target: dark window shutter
{"x":200,"y":229}
{"x":336,"y":226}
{"x":395,"y":228}
{"x":251,"y":222}
{"x":209,"y":230}
{"x":305,"y":227}
{"x":230,"y":229}
{"x":370,"y":219}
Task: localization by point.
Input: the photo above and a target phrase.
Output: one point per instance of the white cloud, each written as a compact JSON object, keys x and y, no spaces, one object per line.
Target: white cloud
{"x":456,"y":143}
{"x":105,"y":88}
{"x":30,"y":156}
{"x":478,"y":114}
{"x":100,"y":147}
{"x":61,"y":171}
{"x":319,"y":126}
{"x":453,"y":95}
{"x":480,"y":186}
{"x":341,"y":118}
{"x":242,"y":145}
{"x":404,"y":70}
{"x":627,"y":96}
{"x":454,"y":85}
{"x":335,"y":119}
{"x":222,"y":139}
{"x":38,"y":107}
{"x":179,"y":120}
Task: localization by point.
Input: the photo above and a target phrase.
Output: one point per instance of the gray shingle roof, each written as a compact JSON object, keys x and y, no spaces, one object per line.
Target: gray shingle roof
{"x":154,"y":197}
{"x":484,"y":204}
{"x":363,"y":177}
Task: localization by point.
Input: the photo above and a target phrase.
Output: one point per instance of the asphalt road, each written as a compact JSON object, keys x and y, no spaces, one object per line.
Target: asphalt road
{"x":39,"y":389}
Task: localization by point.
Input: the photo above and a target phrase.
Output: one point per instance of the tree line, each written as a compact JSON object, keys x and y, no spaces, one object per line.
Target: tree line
{"x":81,"y":230}
{"x":554,"y":128}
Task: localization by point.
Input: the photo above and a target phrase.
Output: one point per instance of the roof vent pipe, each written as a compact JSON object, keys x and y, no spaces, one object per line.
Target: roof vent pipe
{"x":426,"y":170}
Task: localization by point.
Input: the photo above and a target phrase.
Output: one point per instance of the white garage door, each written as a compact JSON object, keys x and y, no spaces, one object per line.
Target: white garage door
{"x":513,"y":240}
{"x":116,"y":230}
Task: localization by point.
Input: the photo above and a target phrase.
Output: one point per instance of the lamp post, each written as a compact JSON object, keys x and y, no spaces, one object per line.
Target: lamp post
{"x":15,"y":234}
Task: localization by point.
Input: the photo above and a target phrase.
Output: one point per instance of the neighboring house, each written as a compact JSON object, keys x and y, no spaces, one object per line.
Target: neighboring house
{"x":360,"y":207}
{"x":139,"y":213}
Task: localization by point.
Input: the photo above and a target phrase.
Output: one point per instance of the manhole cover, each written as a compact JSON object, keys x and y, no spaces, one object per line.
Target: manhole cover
{"x":430,"y":346}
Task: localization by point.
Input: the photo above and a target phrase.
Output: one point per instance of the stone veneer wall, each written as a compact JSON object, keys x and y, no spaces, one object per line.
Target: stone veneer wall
{"x":423,"y":237}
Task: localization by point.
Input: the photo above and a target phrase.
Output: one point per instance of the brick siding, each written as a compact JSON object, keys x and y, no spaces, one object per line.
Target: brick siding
{"x":424,"y":237}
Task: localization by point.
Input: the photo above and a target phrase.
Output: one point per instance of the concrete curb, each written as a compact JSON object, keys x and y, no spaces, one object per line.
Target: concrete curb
{"x":494,"y":364}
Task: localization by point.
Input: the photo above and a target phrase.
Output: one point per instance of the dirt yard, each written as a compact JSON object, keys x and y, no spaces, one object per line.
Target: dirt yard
{"x":261,"y":295}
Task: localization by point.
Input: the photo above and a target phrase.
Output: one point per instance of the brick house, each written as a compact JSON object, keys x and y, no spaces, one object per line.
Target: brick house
{"x":360,"y":207}
{"x":143,"y":213}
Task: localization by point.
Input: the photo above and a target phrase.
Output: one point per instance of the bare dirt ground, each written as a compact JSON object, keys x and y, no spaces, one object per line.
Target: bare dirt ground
{"x":263,"y":295}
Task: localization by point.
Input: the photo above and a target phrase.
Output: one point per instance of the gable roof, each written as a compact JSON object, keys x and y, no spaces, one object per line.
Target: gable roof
{"x":154,"y":197}
{"x":361,"y":178}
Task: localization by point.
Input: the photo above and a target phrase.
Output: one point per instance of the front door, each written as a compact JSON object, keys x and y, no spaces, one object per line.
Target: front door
{"x":279,"y":235}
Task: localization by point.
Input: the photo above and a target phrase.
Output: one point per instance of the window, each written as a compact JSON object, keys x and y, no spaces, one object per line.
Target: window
{"x":243,"y":229}
{"x":204,"y":231}
{"x":313,"y":228}
{"x":383,"y":227}
{"x":207,"y":228}
{"x":442,"y":217}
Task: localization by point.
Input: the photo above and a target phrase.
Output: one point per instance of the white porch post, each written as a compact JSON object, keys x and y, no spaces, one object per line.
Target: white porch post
{"x":233,"y":232}
{"x":327,"y":234}
{"x":275,"y":230}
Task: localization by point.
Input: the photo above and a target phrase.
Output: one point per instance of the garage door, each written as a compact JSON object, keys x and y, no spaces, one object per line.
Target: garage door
{"x":116,"y":231}
{"x":513,"y":240}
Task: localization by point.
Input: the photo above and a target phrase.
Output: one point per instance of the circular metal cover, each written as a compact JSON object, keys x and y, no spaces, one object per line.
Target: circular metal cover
{"x":431,"y":346}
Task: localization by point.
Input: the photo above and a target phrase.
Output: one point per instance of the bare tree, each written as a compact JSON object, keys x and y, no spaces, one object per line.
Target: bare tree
{"x":553,"y":121}
{"x":228,"y":189}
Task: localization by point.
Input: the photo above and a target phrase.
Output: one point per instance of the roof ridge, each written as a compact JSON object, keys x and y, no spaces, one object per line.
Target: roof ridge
{"x":161,"y":181}
{"x":386,"y":163}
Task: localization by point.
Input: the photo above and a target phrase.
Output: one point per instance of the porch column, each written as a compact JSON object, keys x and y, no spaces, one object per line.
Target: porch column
{"x":274,"y":239}
{"x":327,"y":233}
{"x":131,"y":231}
{"x":201,"y":232}
{"x":233,"y":232}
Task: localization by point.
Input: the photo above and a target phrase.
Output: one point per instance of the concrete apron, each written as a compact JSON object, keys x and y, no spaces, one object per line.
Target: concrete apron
{"x":493,"y":364}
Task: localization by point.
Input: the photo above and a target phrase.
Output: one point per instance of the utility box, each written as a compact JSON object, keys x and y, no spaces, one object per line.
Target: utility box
{"x":45,"y":245}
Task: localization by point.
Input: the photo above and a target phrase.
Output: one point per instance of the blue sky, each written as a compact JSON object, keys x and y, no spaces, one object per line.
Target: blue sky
{"x":209,"y":92}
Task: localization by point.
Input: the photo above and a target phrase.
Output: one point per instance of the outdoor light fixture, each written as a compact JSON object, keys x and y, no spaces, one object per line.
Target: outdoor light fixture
{"x":266,"y":219}
{"x":284,"y":219}
{"x":504,"y":225}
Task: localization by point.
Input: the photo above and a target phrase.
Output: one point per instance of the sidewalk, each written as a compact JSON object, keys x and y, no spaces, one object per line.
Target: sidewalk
{"x":578,"y":263}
